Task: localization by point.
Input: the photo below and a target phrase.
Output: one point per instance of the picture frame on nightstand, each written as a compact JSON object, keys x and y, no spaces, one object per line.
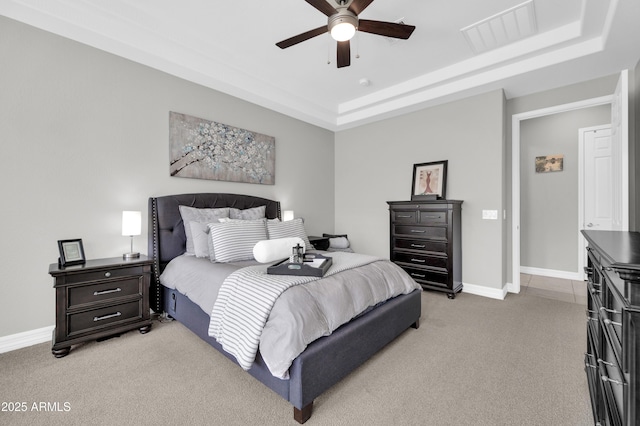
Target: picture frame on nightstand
{"x":71,"y":252}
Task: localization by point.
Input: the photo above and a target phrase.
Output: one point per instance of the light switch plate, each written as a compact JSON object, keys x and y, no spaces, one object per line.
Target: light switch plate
{"x":490,"y":214}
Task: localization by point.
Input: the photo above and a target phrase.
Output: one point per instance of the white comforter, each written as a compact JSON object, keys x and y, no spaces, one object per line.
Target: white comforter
{"x":304,"y":313}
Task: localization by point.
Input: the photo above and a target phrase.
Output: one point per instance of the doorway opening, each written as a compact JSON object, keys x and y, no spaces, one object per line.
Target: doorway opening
{"x":618,"y":102}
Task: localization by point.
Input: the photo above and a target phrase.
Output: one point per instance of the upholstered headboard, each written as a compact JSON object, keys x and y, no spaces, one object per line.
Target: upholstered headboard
{"x":166,"y":235}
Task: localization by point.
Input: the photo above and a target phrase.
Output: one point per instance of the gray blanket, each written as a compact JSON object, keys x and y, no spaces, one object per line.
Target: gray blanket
{"x":303,"y":313}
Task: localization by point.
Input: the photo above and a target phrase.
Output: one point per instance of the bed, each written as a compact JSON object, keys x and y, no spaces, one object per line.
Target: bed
{"x":325,"y":361}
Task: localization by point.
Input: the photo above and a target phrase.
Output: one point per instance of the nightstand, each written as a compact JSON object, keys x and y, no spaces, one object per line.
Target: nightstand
{"x":319,"y":243}
{"x":101,"y":298}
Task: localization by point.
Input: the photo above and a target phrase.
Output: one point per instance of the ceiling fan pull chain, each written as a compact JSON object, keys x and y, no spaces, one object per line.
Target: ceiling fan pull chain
{"x":329,"y":39}
{"x":357,"y":44}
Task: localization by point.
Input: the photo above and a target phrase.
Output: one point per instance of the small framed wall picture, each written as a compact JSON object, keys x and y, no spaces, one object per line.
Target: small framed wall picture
{"x":429,"y":181}
{"x":71,"y":252}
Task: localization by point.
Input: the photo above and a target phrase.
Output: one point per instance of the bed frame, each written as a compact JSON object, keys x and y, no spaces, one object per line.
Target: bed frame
{"x":325,"y":361}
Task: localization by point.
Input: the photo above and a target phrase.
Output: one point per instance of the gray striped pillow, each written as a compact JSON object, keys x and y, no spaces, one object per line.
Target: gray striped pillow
{"x":289,"y":229}
{"x":233,"y":241}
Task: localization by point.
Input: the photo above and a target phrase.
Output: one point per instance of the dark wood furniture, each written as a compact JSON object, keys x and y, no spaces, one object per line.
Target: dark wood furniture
{"x":319,"y":243}
{"x":101,"y":298}
{"x":325,"y":361}
{"x":425,"y":240}
{"x":612,"y":360}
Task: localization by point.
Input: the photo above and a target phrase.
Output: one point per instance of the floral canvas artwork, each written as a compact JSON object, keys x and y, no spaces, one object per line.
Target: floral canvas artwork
{"x":203,"y":149}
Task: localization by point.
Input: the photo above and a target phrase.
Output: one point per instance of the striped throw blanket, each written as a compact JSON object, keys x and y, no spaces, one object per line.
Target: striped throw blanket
{"x":245,"y":300}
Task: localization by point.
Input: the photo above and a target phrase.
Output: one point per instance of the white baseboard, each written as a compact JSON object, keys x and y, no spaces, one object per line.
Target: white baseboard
{"x":551,"y":273}
{"x":480,"y":290}
{"x":27,"y":338}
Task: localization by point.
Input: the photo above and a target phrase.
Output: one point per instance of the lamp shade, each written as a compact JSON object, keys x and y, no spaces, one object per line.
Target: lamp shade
{"x":131,"y":223}
{"x":288,"y":215}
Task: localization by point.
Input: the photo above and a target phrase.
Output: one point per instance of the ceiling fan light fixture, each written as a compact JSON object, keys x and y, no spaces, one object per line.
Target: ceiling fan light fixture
{"x":342,"y":25}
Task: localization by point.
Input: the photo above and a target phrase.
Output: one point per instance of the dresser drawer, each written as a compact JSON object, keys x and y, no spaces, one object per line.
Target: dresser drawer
{"x":421,"y":260}
{"x":108,"y":290}
{"x":103,"y":317}
{"x":435,"y":232}
{"x":421,"y":245}
{"x":439,"y":279}
{"x":404,"y":216}
{"x":426,"y":217}
{"x":82,"y":277}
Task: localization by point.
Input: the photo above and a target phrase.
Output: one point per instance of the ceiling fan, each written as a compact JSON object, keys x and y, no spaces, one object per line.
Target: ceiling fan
{"x":342,"y":24}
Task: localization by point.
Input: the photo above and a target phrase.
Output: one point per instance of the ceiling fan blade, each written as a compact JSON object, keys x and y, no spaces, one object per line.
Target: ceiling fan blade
{"x":387,"y":29}
{"x":359,"y":5}
{"x":344,"y":54}
{"x":323,"y":6}
{"x":302,"y":37}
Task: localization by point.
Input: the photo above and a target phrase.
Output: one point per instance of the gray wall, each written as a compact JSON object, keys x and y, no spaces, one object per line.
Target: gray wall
{"x":374,"y":164}
{"x":85,"y":136}
{"x":563,"y":95}
{"x":549,"y":201}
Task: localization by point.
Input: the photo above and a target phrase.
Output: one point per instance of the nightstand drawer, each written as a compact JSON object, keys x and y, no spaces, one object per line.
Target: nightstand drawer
{"x":83,"y":277}
{"x":422,"y":231}
{"x":421,"y":245}
{"x":98,"y":318}
{"x":108,"y":290}
{"x":421,"y":260}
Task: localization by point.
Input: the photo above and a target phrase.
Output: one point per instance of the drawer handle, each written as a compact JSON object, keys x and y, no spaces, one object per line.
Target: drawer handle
{"x":611,"y":311}
{"x":608,"y":321}
{"x":100,"y":293}
{"x":107,"y":274}
{"x":418,"y":275}
{"x":586,"y":364}
{"x":405,"y":216}
{"x":606,"y":268}
{"x":610,"y":380}
{"x":418,"y":260}
{"x":418,"y":245}
{"x":96,"y":319}
{"x":417,"y":231}
{"x":602,"y":361}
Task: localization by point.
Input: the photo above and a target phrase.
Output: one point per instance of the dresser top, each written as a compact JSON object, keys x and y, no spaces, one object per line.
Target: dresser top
{"x":622,"y":249}
{"x":392,"y":203}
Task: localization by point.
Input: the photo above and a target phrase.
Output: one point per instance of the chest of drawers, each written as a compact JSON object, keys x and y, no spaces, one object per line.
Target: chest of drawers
{"x":612,"y":358}
{"x":425,"y":240}
{"x":101,"y":298}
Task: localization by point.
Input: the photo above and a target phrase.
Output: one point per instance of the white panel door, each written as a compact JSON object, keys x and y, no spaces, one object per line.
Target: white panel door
{"x":620,"y":142}
{"x":598,"y":180}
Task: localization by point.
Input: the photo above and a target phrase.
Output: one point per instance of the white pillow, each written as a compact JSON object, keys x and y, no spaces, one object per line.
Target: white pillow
{"x":192,"y":214}
{"x":233,"y":241}
{"x":280,"y":248}
{"x":288,"y":229}
{"x":339,"y":243}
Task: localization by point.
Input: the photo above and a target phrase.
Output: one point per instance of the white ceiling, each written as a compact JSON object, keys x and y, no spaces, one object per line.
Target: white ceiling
{"x":230,"y":46}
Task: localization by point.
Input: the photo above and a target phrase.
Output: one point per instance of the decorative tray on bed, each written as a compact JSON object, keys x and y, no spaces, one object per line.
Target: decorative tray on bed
{"x":314,"y":265}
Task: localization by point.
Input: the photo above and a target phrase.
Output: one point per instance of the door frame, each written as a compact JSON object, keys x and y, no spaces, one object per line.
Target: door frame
{"x":582,"y":242}
{"x":514,"y":287}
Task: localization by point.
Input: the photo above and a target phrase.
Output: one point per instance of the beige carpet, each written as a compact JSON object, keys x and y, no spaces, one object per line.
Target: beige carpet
{"x":473,"y":361}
